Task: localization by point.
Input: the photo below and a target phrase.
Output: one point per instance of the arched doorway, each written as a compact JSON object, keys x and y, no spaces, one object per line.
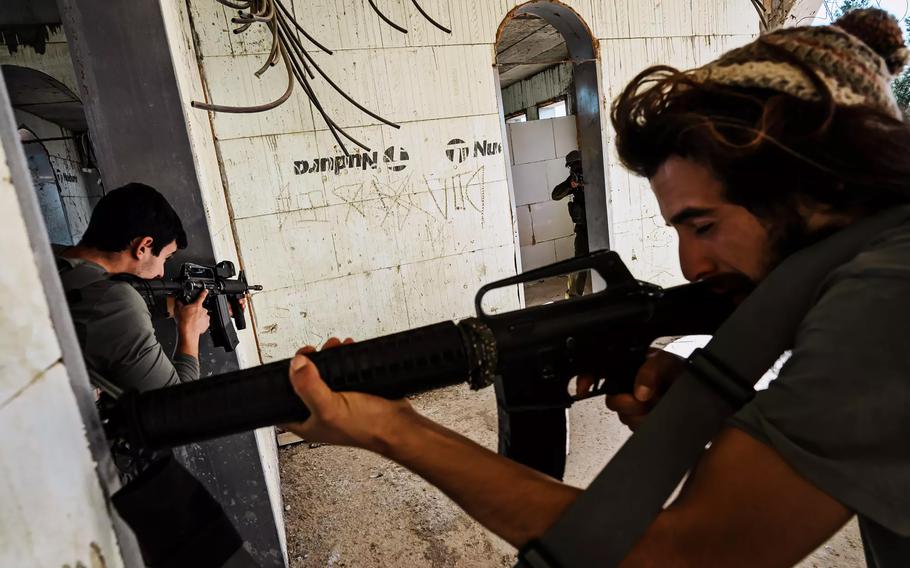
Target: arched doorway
{"x":547,"y":67}
{"x":548,"y":51}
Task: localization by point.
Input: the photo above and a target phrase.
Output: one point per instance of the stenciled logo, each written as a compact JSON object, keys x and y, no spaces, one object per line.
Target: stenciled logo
{"x":395,"y":158}
{"x":457,"y":150}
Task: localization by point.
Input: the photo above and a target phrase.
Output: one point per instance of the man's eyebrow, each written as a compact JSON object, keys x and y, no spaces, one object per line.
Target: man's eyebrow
{"x":689,"y":213}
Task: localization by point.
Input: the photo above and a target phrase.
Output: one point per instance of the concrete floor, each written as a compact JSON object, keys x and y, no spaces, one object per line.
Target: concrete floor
{"x":348,"y":507}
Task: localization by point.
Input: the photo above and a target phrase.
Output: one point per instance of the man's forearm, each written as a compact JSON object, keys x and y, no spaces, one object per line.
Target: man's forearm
{"x":514,"y":501}
{"x":188,"y":344}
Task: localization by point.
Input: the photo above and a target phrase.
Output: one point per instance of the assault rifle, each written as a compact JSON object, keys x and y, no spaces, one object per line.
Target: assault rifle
{"x":531,"y":354}
{"x":222,"y":302}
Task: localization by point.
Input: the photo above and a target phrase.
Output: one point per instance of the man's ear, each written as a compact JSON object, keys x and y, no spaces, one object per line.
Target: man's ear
{"x":141,"y":246}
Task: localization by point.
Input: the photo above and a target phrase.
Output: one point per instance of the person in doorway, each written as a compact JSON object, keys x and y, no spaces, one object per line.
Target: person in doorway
{"x":133,"y":230}
{"x":574,"y":187}
{"x":764,"y":151}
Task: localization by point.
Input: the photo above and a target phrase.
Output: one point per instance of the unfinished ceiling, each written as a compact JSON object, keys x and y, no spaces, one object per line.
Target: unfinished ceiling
{"x":527,"y":46}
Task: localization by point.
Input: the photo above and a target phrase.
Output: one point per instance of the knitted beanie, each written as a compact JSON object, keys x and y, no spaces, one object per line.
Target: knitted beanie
{"x":856,"y":58}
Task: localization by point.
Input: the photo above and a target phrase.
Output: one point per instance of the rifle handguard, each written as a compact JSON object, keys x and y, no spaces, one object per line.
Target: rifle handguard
{"x":393,"y":366}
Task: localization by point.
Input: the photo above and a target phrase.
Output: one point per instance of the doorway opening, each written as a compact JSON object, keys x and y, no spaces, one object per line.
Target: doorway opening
{"x":546,"y":64}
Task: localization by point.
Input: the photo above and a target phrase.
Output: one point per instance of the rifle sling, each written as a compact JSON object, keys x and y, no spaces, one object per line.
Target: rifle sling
{"x":605,"y":522}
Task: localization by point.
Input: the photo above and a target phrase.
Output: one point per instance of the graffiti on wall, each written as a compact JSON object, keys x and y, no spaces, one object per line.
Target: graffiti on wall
{"x":394,"y":158}
{"x":392,"y":191}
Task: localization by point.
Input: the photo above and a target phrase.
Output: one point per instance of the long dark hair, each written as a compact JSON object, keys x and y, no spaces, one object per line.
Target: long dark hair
{"x":770,"y":150}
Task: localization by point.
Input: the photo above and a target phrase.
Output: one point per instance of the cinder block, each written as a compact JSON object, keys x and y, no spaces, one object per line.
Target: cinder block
{"x":530,"y":183}
{"x":565,"y":135}
{"x":551,"y":220}
{"x":565,"y":247}
{"x":525,"y":229}
{"x":535,"y":256}
{"x":533,"y":141}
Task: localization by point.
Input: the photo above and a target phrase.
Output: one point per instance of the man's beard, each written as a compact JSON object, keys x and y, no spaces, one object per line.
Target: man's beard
{"x":787,"y":234}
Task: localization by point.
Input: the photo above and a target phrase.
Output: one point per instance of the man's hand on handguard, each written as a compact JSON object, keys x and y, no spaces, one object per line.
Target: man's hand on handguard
{"x":654,"y":377}
{"x":346,"y":418}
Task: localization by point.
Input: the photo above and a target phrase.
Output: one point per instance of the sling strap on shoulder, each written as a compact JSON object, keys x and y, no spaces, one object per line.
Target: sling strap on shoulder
{"x":605,"y":522}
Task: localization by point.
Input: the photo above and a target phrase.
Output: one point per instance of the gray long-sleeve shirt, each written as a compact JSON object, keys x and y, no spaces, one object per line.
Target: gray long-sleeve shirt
{"x":115,"y":331}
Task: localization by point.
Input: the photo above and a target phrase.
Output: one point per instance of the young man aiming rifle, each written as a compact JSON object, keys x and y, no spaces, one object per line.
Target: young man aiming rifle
{"x":762,"y":153}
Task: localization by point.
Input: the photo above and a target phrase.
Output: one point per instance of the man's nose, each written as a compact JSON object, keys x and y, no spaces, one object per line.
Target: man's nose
{"x":695,"y":261}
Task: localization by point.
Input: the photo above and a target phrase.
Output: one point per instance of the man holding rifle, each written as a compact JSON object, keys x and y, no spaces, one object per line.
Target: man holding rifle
{"x":134,"y":231}
{"x":767,"y":150}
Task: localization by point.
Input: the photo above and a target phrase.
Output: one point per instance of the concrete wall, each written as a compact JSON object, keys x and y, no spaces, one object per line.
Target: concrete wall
{"x":53,"y":511}
{"x":544,"y":86}
{"x":538,"y":148}
{"x":373,"y":245}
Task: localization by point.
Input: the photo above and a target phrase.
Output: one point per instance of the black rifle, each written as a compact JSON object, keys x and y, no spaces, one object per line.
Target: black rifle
{"x":223,"y":299}
{"x":531,"y":354}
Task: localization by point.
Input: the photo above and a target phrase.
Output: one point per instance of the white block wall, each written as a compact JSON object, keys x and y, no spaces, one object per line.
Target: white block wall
{"x":53,"y":511}
{"x":539,"y":147}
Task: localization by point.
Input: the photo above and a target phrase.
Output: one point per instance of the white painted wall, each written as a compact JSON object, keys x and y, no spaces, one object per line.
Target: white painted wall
{"x":53,"y":511}
{"x":539,"y":147}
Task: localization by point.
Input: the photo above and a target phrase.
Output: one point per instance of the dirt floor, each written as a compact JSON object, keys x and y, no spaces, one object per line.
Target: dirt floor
{"x":350,"y":508}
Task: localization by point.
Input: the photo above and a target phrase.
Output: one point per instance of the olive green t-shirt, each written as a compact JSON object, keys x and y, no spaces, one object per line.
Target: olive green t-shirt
{"x":839,"y":411}
{"x":115,"y":332}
